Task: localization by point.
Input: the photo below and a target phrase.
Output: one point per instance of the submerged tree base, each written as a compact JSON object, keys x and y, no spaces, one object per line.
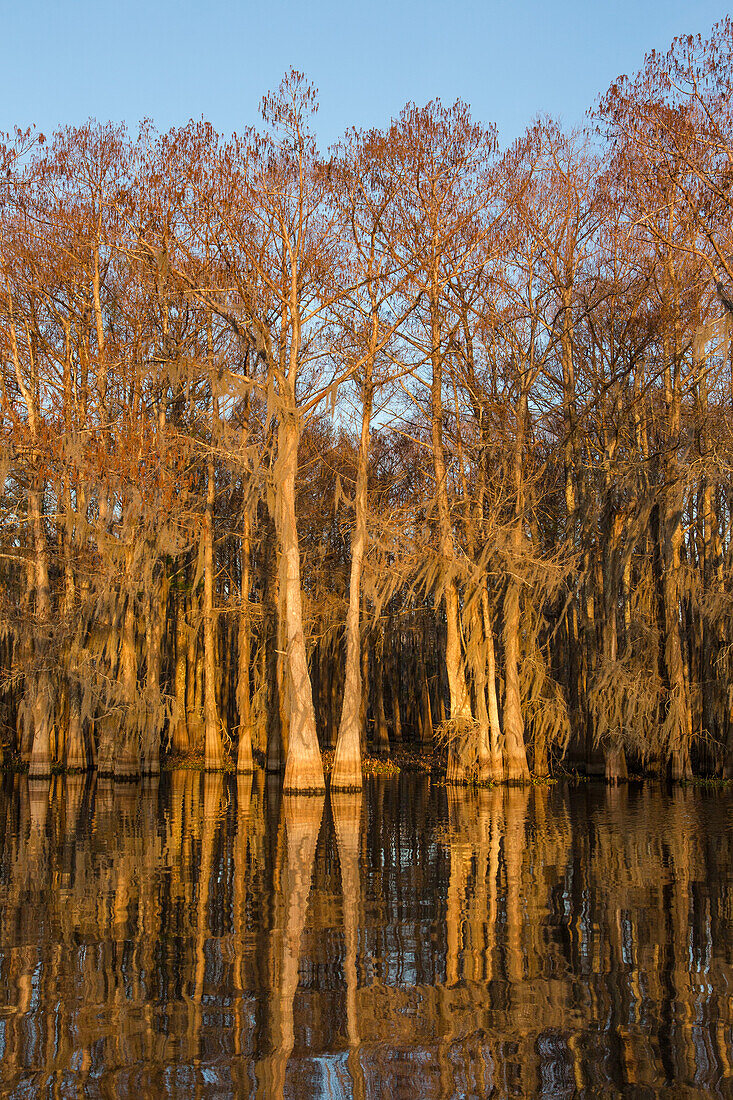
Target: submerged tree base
{"x":410,"y":757}
{"x":370,"y":766}
{"x":42,"y":770}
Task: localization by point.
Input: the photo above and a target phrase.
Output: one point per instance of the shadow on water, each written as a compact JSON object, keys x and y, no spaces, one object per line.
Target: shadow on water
{"x":203,"y":935}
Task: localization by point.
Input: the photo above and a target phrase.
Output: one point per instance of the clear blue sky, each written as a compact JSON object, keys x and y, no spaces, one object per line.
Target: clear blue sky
{"x":170,"y":60}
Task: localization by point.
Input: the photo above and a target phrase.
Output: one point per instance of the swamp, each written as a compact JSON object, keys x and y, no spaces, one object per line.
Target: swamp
{"x":366,"y":601}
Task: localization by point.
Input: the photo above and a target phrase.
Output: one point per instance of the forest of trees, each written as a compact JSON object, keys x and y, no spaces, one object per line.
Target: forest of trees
{"x":414,"y":439}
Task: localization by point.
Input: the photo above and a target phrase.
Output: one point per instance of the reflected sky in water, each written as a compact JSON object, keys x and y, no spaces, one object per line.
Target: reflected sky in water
{"x":204,"y":936}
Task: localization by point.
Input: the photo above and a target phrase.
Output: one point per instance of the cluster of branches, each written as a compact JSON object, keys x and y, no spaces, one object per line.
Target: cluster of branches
{"x":413,"y":438}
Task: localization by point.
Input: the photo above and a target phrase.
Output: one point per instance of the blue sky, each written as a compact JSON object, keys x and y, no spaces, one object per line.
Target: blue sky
{"x":65,"y":61}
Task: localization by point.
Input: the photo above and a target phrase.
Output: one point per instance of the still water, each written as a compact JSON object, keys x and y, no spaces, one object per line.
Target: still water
{"x":204,"y":937}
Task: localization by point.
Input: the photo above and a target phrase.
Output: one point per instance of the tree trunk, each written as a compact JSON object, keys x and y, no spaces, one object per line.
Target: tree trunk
{"x":425,"y":711}
{"x":346,"y":774}
{"x":678,"y":706}
{"x":213,"y":752}
{"x":39,"y":683}
{"x":460,"y":700}
{"x":496,"y":762}
{"x":515,"y":753}
{"x":126,"y":763}
{"x":275,"y":761}
{"x":481,"y":655}
{"x":364,"y":701}
{"x":381,"y":738}
{"x":244,"y":750}
{"x":41,"y":702}
{"x":516,"y":768}
{"x":157,"y":605}
{"x":396,"y":715}
{"x":76,"y":756}
{"x":179,"y":737}
{"x":303,"y":767}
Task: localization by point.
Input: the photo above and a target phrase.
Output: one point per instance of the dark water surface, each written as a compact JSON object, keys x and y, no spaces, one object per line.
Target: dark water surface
{"x":204,"y":937}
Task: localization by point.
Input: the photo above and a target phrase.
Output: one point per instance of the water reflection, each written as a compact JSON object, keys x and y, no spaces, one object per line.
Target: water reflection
{"x":346,"y":811}
{"x":302,"y":820}
{"x":202,"y":935}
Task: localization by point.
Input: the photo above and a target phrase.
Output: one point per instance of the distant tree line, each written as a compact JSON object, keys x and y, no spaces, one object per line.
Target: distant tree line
{"x":412,"y":439}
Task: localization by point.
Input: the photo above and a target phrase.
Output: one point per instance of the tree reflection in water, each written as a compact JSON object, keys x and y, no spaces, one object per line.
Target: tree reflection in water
{"x":205,"y":936}
{"x":346,"y":811}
